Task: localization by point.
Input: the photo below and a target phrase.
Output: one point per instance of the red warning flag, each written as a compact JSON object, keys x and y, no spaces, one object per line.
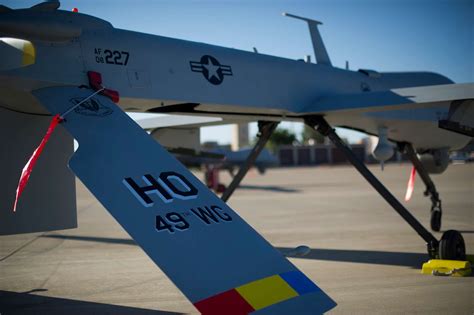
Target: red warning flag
{"x":25,"y":174}
{"x":411,"y":184}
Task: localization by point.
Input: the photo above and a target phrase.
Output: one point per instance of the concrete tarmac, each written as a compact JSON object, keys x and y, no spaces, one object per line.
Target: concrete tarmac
{"x":362,"y":253}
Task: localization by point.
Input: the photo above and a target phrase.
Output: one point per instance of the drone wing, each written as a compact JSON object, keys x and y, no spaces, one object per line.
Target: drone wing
{"x":395,"y":99}
{"x":220,"y":263}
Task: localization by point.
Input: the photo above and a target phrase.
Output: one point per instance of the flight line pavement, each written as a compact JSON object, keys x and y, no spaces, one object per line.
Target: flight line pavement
{"x":362,"y":253}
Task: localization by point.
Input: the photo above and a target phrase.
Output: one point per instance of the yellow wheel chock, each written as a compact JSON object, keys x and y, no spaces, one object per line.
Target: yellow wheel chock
{"x":441,"y":267}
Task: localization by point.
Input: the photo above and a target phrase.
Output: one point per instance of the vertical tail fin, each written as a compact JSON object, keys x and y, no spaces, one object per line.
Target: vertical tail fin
{"x":320,"y":52}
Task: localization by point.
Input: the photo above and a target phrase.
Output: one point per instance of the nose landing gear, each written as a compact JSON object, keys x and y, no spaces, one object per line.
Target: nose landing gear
{"x":436,"y":211}
{"x":435,"y":217}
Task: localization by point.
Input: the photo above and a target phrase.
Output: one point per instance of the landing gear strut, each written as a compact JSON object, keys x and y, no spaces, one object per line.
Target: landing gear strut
{"x":436,"y":211}
{"x":453,"y":243}
{"x":265,"y":130}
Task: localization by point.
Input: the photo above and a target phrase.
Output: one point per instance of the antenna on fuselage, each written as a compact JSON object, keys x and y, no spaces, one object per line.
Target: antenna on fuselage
{"x":320,"y":52}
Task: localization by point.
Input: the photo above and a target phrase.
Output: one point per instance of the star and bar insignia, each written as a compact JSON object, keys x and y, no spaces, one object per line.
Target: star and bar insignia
{"x":211,"y":69}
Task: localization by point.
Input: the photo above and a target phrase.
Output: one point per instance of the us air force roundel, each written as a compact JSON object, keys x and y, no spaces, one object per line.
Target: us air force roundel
{"x":90,"y":107}
{"x":211,"y":69}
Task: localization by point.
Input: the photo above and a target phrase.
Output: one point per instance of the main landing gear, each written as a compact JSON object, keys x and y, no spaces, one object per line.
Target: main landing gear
{"x":436,"y":211}
{"x":451,"y":245}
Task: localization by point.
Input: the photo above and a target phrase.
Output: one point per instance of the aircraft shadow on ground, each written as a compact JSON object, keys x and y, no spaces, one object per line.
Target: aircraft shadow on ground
{"x":269,"y":188}
{"x":123,"y":241}
{"x":414,"y":260}
{"x":25,"y":303}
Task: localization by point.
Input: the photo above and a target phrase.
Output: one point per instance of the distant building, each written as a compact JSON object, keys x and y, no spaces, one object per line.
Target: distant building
{"x":318,"y":154}
{"x":240,"y":136}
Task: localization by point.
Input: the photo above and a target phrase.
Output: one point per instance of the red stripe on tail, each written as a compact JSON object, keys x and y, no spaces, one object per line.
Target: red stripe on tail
{"x":229,"y":303}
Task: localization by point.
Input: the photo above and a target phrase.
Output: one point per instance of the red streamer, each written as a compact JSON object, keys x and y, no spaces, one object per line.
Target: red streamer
{"x":25,"y":174}
{"x":411,"y":184}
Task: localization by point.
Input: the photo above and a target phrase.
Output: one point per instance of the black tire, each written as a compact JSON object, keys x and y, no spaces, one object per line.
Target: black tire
{"x":435,"y":220}
{"x":452,"y":246}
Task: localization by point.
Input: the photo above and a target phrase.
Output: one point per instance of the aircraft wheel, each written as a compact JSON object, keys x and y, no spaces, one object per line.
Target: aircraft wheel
{"x":435,"y":220}
{"x":452,"y":246}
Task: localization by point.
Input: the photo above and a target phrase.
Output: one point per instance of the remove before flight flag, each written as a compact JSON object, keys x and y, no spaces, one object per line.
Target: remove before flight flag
{"x":411,"y":184}
{"x":26,"y":172}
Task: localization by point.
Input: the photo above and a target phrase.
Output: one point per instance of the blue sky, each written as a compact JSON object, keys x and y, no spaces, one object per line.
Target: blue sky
{"x":383,"y":35}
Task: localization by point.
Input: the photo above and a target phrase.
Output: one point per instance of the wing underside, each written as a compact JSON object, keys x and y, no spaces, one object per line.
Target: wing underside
{"x":414,"y":115}
{"x":413,"y":98}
